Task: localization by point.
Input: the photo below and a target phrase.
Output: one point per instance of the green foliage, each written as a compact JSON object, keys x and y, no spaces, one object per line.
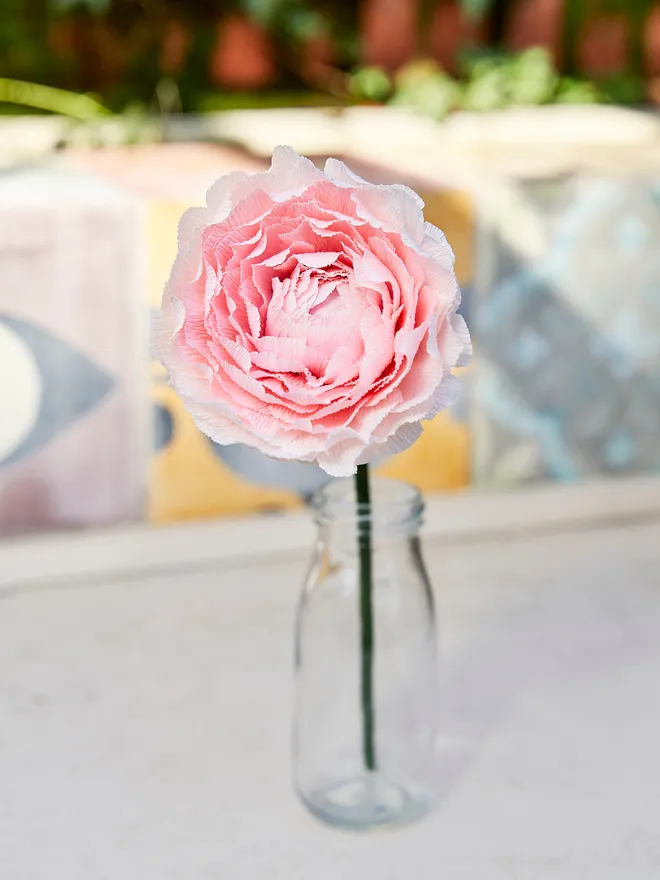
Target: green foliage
{"x":370,"y":83}
{"x":21,"y":46}
{"x":96,"y":7}
{"x":623,"y":88}
{"x":576,"y":91}
{"x":502,"y":80}
{"x":213,"y":101}
{"x":136,"y":31}
{"x":293,"y":22}
{"x":424,"y":87}
{"x":294,"y":18}
{"x":475,"y":9}
{"x":417,"y":73}
{"x":492,"y":81}
{"x":488,"y":86}
{"x":533,"y":78}
{"x":263,"y":11}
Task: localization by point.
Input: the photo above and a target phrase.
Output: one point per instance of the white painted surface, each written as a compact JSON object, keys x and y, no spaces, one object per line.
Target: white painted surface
{"x":144,"y":722}
{"x":379,"y":133}
{"x":461,"y":517}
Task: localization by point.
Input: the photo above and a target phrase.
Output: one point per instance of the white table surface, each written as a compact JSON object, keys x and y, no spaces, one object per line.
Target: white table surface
{"x":144,"y":718}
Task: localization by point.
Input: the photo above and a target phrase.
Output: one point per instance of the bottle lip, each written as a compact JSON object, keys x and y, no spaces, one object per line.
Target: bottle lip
{"x":393,"y":503}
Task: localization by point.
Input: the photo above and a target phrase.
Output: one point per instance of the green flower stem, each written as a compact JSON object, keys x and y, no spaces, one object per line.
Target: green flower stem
{"x":366,"y":618}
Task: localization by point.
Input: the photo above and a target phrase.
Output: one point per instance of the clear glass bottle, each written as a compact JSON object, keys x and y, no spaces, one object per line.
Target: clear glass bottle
{"x":366,"y":724}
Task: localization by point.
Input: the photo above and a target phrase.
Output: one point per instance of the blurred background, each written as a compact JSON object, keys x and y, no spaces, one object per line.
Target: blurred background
{"x":528,"y":126}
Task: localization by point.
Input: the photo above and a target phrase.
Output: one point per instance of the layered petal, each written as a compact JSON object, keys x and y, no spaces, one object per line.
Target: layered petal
{"x":312,"y":315}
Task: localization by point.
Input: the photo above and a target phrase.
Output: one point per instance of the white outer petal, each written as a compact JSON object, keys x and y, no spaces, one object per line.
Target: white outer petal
{"x":402,"y":208}
{"x":186,"y":267}
{"x":402,"y":439}
{"x":461,"y":330}
{"x":190,"y":223}
{"x":435,"y":246}
{"x":289,"y":175}
{"x":444,"y":396}
{"x":219,"y":200}
{"x":340,"y":173}
{"x":291,"y":172}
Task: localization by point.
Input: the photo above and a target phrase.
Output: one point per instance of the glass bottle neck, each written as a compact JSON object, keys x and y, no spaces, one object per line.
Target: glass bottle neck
{"x":394,"y":513}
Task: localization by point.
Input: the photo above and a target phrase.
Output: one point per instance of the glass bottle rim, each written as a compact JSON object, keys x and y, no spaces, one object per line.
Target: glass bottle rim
{"x":393,"y":503}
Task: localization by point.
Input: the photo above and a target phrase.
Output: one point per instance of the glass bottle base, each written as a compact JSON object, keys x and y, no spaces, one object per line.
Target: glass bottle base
{"x":364,"y":802}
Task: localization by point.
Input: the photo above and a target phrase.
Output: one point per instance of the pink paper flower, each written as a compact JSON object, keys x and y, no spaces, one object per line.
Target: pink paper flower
{"x":312,"y":315}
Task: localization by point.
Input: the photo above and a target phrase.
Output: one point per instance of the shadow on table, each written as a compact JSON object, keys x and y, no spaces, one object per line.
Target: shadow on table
{"x":560,"y":629}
